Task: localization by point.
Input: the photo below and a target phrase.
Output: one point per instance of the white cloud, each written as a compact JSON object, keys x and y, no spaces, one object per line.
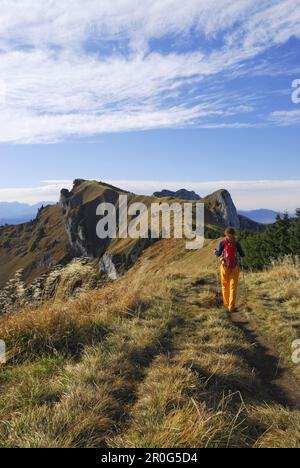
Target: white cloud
{"x":286,"y":118}
{"x":272,"y":194}
{"x":55,"y":89}
{"x":68,"y":22}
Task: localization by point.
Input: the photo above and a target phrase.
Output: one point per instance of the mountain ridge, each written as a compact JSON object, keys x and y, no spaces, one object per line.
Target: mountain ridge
{"x":67,"y":230}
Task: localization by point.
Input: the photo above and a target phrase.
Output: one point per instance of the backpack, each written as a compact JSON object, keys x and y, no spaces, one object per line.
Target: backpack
{"x":230,"y":256}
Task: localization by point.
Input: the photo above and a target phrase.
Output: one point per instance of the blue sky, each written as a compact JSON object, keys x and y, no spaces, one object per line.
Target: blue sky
{"x":149,"y":95}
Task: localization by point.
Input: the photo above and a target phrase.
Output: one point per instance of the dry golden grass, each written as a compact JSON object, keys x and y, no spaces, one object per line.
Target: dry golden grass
{"x":75,"y":278}
{"x":83,"y":401}
{"x":281,"y":428}
{"x":284,"y":278}
{"x":171,"y":412}
{"x":68,"y":325}
{"x":274,"y":297}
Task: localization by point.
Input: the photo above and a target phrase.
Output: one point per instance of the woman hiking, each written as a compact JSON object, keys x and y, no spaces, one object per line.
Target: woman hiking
{"x":230,"y":250}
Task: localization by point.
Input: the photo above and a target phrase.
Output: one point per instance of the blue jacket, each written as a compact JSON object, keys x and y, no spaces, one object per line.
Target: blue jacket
{"x":219,"y":252}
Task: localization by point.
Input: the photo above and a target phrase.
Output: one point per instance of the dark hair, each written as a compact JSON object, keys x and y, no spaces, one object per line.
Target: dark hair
{"x":230,"y":231}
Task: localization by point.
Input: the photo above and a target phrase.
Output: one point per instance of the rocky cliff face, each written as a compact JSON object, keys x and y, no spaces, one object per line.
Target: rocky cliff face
{"x":79,"y":207}
{"x":223,"y":208}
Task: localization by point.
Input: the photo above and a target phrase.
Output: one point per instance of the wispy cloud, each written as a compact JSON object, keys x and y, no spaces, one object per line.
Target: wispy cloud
{"x":77,"y":70}
{"x":286,"y":118}
{"x":273,"y":194}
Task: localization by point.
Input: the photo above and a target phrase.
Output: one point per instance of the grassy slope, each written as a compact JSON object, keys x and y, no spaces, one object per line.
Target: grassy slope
{"x":275,"y":306}
{"x":22,"y":248}
{"x":148,"y":361}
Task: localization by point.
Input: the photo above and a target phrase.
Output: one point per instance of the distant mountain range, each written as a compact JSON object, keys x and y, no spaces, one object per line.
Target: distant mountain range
{"x":261,"y":216}
{"x":183,"y":194}
{"x":18,"y":213}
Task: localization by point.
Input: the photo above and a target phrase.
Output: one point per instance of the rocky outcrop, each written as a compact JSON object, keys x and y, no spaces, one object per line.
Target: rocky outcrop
{"x":76,"y":235}
{"x":64,"y":198}
{"x":223,"y":208}
{"x":182,"y":194}
{"x":13,"y":293}
{"x":80,"y":207}
{"x":60,"y":282}
{"x":73,"y":224}
{"x":107,"y":266}
{"x":114,"y":265}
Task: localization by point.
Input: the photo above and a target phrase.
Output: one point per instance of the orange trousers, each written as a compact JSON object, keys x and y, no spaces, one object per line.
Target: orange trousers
{"x":230,"y":281}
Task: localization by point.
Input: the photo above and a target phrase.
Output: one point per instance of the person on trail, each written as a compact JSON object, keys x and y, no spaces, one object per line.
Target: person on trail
{"x":230,"y":250}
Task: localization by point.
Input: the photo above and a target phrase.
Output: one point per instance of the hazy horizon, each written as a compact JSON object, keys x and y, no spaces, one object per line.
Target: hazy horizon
{"x":51,"y":191}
